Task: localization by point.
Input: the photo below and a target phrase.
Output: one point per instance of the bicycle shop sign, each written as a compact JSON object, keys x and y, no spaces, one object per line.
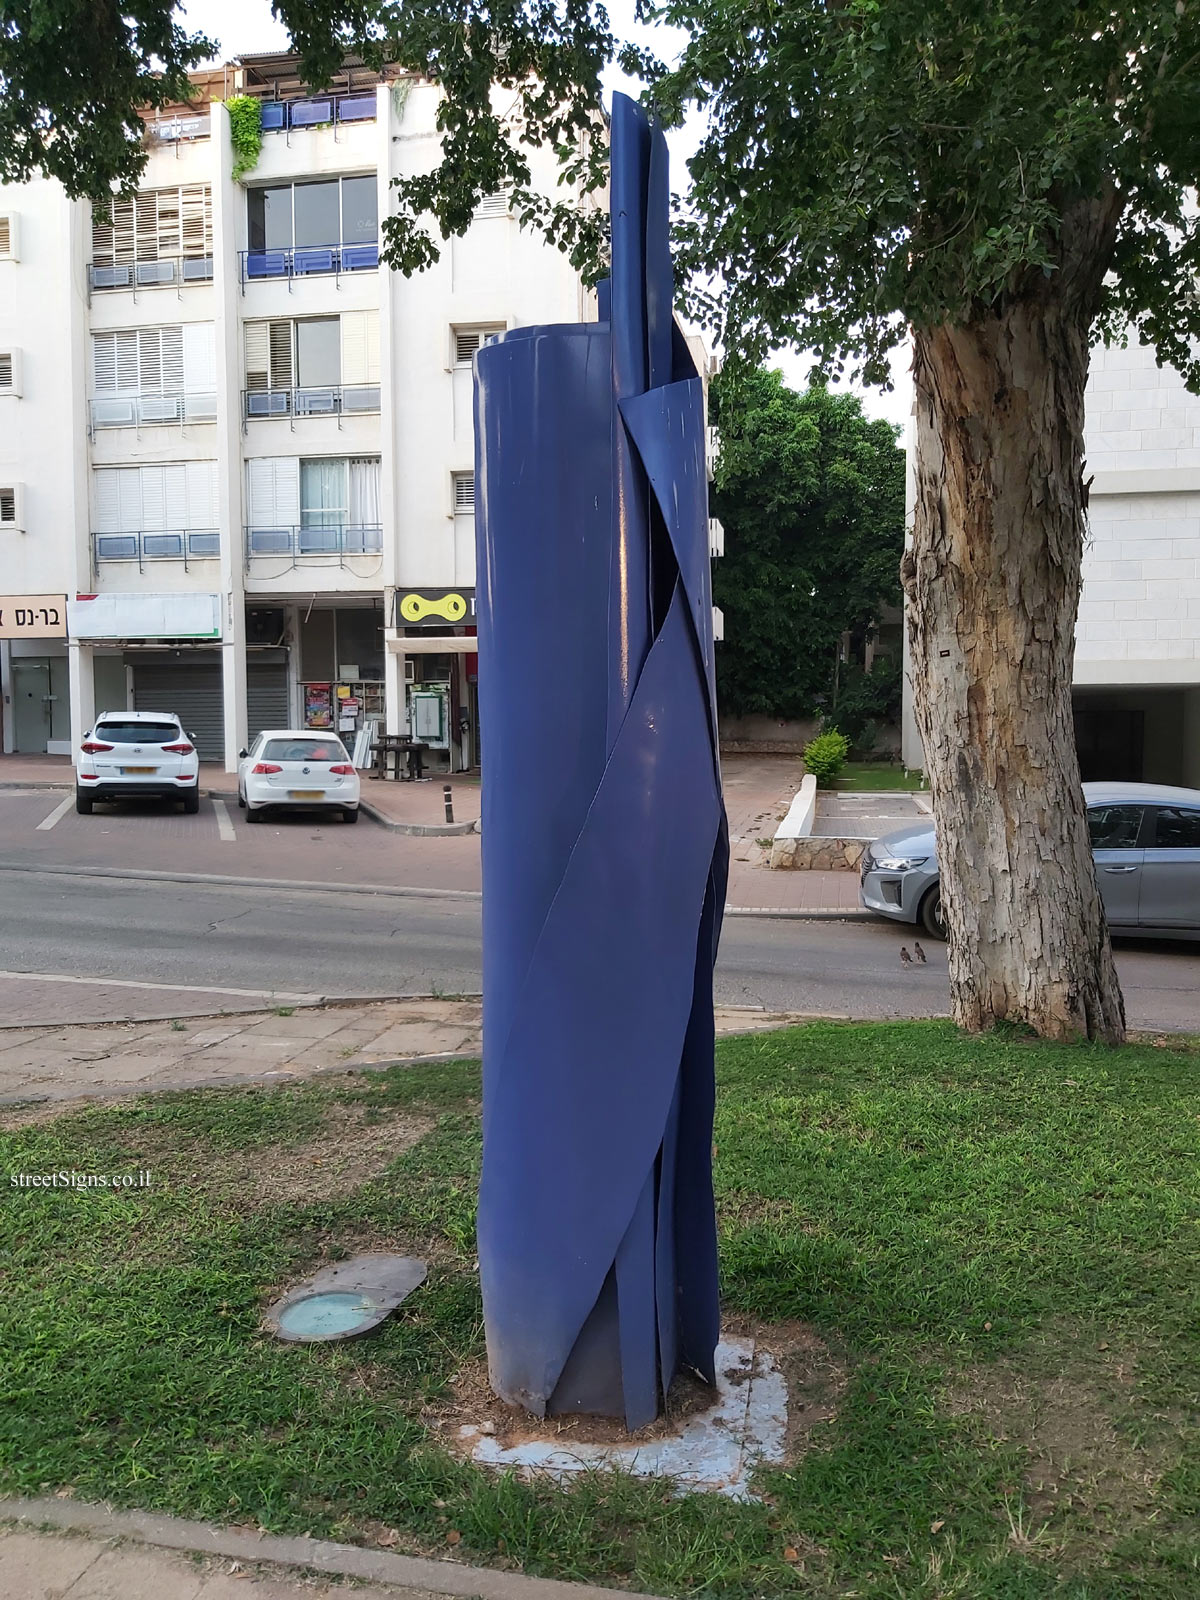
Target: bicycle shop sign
{"x":33,"y":616}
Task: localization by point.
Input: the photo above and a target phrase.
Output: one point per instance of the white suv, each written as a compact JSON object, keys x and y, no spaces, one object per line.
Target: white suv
{"x":130,"y":753}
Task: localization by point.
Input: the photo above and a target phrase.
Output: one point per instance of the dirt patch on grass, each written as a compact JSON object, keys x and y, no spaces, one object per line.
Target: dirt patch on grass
{"x":1087,"y":1476}
{"x":815,"y":1379}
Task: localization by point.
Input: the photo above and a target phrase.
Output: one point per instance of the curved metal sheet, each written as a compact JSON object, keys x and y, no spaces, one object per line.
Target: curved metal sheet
{"x":604,"y":839}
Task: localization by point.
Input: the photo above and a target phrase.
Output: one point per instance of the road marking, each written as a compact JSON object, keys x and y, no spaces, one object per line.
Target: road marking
{"x":57,"y":814}
{"x":180,"y":988}
{"x":224,"y":826}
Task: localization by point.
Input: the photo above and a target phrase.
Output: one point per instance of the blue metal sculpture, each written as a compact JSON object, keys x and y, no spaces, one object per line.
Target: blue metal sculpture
{"x":605,"y":847}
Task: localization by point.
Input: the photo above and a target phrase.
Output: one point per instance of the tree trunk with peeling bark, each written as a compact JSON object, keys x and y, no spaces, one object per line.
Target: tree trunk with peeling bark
{"x":993,"y":580}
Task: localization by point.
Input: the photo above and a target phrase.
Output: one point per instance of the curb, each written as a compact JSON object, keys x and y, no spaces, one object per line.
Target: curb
{"x":418,"y":829}
{"x":312,"y":1555}
{"x":804,"y":913}
{"x":228,"y":882}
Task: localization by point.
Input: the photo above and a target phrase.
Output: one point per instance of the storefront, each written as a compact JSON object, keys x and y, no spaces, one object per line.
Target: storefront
{"x":34,"y":674}
{"x":340,"y":668}
{"x":436,"y":637}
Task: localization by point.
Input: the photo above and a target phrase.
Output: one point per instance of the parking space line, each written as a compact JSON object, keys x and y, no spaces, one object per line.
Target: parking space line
{"x":224,"y":825}
{"x":57,"y":814}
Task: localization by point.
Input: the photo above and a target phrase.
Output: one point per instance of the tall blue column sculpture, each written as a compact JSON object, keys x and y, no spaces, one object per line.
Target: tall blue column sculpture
{"x":605,"y":847}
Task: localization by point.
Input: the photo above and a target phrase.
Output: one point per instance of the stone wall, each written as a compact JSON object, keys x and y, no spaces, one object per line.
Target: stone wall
{"x":818,"y":855}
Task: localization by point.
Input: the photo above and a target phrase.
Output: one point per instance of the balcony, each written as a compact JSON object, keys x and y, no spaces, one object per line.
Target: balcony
{"x":308,"y":261}
{"x":342,"y":539}
{"x":340,"y":400}
{"x":168,"y":545}
{"x":280,"y":116}
{"x":152,"y":410}
{"x":177,"y":127}
{"x":164,"y":273}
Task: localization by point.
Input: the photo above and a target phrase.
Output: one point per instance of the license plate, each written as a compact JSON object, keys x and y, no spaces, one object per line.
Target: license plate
{"x":129,"y":771}
{"x":306,"y":794}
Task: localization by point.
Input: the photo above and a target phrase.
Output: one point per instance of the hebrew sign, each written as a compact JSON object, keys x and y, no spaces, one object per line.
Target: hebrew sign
{"x":33,"y":616}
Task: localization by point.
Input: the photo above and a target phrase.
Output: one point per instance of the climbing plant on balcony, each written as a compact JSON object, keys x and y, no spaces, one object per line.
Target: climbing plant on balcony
{"x":245,"y":133}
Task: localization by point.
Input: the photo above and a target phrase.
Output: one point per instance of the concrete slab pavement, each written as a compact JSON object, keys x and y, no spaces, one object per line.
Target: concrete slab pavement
{"x":101,"y":1554}
{"x":288,"y":1045}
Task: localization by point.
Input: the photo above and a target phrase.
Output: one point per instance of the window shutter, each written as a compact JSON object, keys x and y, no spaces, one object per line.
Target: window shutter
{"x":258,"y":360}
{"x":354,"y":347}
{"x":124,"y":230}
{"x":102,"y":234}
{"x":8,"y":236}
{"x":273,"y":492}
{"x":172,"y":360}
{"x":201,"y":494}
{"x":199,"y":358}
{"x":493,"y":205}
{"x":195,"y":219}
{"x":154,"y":498}
{"x":280,"y":338}
{"x":145,"y":226}
{"x":108,"y":501}
{"x":104,"y":363}
{"x":7,"y":370}
{"x":127,"y":362}
{"x":149,"y":359}
{"x":371,"y":322}
{"x":466,"y":342}
{"x":118,"y":495}
{"x":464,"y":491}
{"x":10,"y":508}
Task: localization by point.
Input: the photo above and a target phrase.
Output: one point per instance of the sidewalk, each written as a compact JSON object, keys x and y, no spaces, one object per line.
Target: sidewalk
{"x":295,"y":1042}
{"x":135,"y":1555}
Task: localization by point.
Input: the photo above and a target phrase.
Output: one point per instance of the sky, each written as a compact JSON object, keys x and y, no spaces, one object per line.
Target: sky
{"x":243,"y":26}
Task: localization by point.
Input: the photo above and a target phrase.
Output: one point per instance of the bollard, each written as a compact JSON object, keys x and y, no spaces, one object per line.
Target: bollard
{"x":449,"y":799}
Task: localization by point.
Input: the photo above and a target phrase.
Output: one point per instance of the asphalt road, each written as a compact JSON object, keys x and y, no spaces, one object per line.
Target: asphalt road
{"x":337,"y":942}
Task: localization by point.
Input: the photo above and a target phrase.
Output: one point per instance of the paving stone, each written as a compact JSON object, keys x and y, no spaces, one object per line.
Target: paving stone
{"x":35,"y":1566}
{"x":128,"y":1574}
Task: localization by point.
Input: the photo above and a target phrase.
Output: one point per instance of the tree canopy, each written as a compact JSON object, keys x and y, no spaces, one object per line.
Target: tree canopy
{"x":811,"y":497}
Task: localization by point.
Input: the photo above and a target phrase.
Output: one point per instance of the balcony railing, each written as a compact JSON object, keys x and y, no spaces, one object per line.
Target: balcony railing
{"x":308,"y":261}
{"x":339,"y":399}
{"x":168,"y":545}
{"x":164,"y":272}
{"x":343,"y":539}
{"x":147,"y":410}
{"x":280,"y":115}
{"x":171,"y":128}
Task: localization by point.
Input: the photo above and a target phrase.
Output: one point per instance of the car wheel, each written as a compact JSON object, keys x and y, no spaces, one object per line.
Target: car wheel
{"x":84,"y":803}
{"x":931,"y":916}
{"x":191,"y":802}
{"x":350,"y":814}
{"x":254,"y":813}
{"x":241,"y":800}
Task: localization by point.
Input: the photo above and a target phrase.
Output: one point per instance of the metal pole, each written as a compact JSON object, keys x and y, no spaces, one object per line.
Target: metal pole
{"x":449,"y":799}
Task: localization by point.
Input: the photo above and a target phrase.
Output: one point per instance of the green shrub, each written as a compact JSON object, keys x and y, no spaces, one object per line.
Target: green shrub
{"x":245,"y":132}
{"x":825,"y":756}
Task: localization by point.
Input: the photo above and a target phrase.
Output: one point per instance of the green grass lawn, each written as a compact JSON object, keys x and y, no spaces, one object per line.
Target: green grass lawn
{"x":872,"y":776}
{"x":978,"y":1257}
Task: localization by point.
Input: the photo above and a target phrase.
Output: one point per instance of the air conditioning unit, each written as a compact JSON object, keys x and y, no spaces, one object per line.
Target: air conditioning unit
{"x":10,"y":372}
{"x":10,"y":236}
{"x":12,"y":508}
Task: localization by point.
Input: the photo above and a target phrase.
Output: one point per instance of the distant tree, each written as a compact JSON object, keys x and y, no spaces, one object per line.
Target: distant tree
{"x":811,"y":497}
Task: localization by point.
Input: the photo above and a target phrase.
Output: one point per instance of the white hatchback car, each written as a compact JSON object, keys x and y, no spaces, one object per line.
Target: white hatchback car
{"x":301,"y":768}
{"x":131,"y":754}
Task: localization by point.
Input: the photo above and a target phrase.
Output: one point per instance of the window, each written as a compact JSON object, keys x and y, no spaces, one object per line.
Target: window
{"x":9,"y":236}
{"x":1114,"y":827}
{"x":166,"y":374}
{"x":464,"y":491}
{"x":328,"y":212}
{"x":317,"y":506}
{"x":1177,"y":828}
{"x":125,"y":732}
{"x":154,"y":225}
{"x":468,"y":340}
{"x":324,"y":749}
{"x":154,"y":500}
{"x":10,"y":372}
{"x":12,"y":508}
{"x":332,"y":364}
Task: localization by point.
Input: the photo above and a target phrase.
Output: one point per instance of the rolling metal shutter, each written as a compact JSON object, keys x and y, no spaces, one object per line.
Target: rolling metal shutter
{"x":192,"y":692}
{"x":266,"y":696}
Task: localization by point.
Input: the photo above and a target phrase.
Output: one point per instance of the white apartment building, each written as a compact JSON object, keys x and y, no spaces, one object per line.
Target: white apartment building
{"x":1137,"y":641}
{"x":236,"y":454}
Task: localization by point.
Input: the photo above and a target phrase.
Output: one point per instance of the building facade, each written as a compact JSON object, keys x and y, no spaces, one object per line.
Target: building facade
{"x":236,"y":454}
{"x":1137,"y":640}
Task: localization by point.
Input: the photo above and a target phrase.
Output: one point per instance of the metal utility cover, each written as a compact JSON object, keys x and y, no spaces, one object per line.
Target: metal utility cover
{"x":346,"y":1300}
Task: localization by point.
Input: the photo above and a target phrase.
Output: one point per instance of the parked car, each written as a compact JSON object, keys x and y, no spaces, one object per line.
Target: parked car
{"x":1146,"y":842}
{"x":128,"y":754}
{"x":298,"y":767}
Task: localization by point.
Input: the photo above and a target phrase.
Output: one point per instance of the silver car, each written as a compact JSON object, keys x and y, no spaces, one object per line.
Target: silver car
{"x":1146,"y":841}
